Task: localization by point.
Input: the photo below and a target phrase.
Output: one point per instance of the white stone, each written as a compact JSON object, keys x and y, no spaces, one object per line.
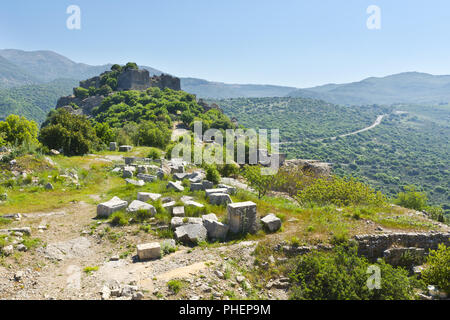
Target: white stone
{"x":145,"y":196}
{"x":242,"y":217}
{"x":137,"y":205}
{"x":107,"y":208}
{"x":209,"y":192}
{"x":148,"y":251}
{"x":175,"y":185}
{"x":178,"y":212}
{"x":271,"y":222}
{"x":219,"y":198}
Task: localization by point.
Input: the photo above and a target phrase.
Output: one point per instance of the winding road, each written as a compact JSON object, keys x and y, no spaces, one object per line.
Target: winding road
{"x":376,"y":123}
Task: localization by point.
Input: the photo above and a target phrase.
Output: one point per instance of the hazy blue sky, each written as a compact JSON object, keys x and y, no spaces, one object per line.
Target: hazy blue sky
{"x":297,"y":42}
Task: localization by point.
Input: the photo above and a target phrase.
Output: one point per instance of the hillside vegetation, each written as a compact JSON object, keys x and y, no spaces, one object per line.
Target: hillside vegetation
{"x":33,"y":101}
{"x":406,"y":148}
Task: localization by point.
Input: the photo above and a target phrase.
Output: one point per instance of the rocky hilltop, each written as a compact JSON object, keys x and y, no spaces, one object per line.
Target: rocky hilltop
{"x":91,"y":92}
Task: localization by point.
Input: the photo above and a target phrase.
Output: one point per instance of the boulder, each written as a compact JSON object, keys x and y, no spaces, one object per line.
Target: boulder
{"x":216,"y":230}
{"x":107,"y":208}
{"x":180,"y":176}
{"x":49,"y":186}
{"x":220,"y":199}
{"x":178,"y":212}
{"x":191,"y":233}
{"x":8,"y":250}
{"x":138,"y":183}
{"x":194,"y":204}
{"x":148,"y":251}
{"x":145,"y":196}
{"x":176,"y":222}
{"x":209,"y":192}
{"x":230,"y":190}
{"x":125,"y":148}
{"x":242,"y":217}
{"x":175,"y":186}
{"x":210,"y":216}
{"x":146,"y":177}
{"x":160,"y":174}
{"x":197,"y":187}
{"x":169,"y":206}
{"x":128,"y":172}
{"x":271,"y":222}
{"x":142,"y":169}
{"x":137,"y":205}
{"x":112,"y":146}
{"x":185,"y":199}
{"x":207,"y":184}
{"x":129,"y":160}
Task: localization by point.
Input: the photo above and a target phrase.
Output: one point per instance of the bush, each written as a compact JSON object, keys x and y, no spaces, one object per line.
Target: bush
{"x":342,"y":275}
{"x":105,"y":133}
{"x":119,"y":219}
{"x":16,"y":130}
{"x":154,"y":154}
{"x":153,"y":135}
{"x":142,"y":215}
{"x":212,"y":174}
{"x":340,"y":192}
{"x":437,"y":271}
{"x":72,"y":133}
{"x":175,"y":285}
{"x":228,"y":170}
{"x":81,"y":93}
{"x":412,"y":198}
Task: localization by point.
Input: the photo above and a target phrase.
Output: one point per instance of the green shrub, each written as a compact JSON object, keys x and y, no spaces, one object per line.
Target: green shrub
{"x":175,"y":285}
{"x":16,"y":130}
{"x":228,"y":170}
{"x":212,"y":174}
{"x":119,"y":219}
{"x":142,"y":215}
{"x":340,"y":192}
{"x":342,"y":275}
{"x":81,"y":93}
{"x":412,"y":198}
{"x":154,"y":154}
{"x":437,"y":271}
{"x":72,"y":133}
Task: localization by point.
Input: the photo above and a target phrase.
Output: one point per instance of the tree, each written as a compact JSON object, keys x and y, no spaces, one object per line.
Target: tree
{"x":72,"y":133}
{"x":105,"y":133}
{"x":131,"y":66}
{"x":17,"y":130}
{"x":258,"y":181}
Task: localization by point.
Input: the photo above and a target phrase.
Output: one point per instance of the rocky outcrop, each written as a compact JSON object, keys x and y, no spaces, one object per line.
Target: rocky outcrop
{"x":316,"y":167}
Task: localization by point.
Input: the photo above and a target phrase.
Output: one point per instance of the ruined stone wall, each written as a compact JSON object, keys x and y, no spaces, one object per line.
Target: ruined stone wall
{"x":373,"y":246}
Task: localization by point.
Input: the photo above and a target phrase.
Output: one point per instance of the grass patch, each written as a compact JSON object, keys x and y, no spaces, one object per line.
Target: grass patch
{"x":89,"y":270}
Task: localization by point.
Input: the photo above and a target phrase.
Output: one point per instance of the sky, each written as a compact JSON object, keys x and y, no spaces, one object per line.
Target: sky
{"x":299,"y":43}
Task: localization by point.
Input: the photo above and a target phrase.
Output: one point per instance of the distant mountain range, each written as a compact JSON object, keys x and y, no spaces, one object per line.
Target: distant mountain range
{"x":22,"y":72}
{"x":408,"y":87}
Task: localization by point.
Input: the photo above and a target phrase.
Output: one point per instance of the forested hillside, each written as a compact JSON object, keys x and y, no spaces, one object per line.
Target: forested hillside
{"x":33,"y":101}
{"x":408,"y":147}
